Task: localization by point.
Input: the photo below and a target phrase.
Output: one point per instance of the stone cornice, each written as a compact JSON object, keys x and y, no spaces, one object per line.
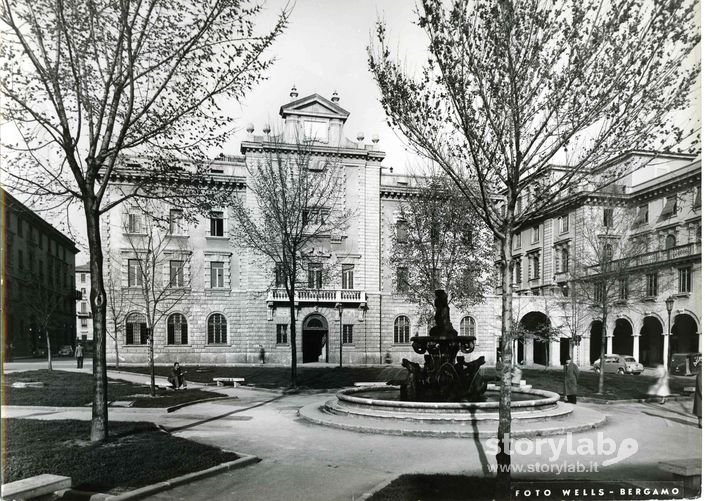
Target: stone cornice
{"x":327,"y":151}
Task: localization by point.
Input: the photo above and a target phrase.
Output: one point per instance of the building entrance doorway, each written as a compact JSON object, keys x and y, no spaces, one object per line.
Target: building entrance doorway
{"x":684,"y":335}
{"x":595,"y":340}
{"x":622,"y":340}
{"x":537,"y":324}
{"x":314,"y":337}
{"x":651,"y":342}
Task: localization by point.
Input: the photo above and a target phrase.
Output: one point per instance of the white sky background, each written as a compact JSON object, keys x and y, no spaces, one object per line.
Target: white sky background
{"x":324,"y":50}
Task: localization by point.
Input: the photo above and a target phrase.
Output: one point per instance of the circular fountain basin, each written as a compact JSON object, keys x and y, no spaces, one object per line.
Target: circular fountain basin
{"x":377,"y":409}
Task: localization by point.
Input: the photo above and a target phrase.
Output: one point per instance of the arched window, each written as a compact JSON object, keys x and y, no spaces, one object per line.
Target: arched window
{"x":136,"y":329}
{"x":467,"y":326}
{"x":217,"y":329}
{"x":670,"y":242}
{"x":177,"y":329}
{"x":401,"y":329}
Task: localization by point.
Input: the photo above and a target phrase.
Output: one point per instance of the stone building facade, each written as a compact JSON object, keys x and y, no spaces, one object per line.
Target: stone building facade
{"x":232,"y":306}
{"x":38,"y":286}
{"x":84,"y":317}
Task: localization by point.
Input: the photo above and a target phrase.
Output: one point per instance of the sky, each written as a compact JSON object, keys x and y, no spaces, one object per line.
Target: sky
{"x":324,"y":49}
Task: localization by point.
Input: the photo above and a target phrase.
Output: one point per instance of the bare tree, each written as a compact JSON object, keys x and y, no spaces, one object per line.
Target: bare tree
{"x":158,"y":273}
{"x":84,"y":82}
{"x":512,"y":88}
{"x":602,"y":275}
{"x":116,"y":303}
{"x":297,"y":204}
{"x":46,"y":305}
{"x":439,"y":244}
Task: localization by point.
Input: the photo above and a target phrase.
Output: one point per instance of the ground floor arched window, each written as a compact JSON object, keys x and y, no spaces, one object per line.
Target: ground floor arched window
{"x":401,"y":329}
{"x":136,"y":329}
{"x":217,"y":329}
{"x":177,"y":329}
{"x":467,"y":326}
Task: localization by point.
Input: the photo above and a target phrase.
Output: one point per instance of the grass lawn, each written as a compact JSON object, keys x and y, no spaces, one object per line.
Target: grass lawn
{"x":135,"y":455}
{"x":74,"y":389}
{"x":616,"y":387}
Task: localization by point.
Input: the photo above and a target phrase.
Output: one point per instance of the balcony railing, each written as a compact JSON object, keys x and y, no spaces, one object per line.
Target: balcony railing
{"x":692,"y":249}
{"x":343,"y":296}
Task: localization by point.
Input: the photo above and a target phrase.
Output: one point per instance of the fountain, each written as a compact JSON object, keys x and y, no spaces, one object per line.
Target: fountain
{"x":447,"y":397}
{"x":443,"y":377}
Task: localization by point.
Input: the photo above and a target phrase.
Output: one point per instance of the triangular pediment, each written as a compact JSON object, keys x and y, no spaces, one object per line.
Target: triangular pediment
{"x":314,"y":105}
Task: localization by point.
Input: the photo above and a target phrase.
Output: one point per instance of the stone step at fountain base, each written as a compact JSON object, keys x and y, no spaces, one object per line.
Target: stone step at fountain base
{"x":338,"y":407}
{"x":577,"y":419}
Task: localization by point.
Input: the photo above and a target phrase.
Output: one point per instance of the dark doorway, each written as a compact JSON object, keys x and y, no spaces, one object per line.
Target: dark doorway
{"x":314,"y":337}
{"x":536,"y":322}
{"x":520,"y":351}
{"x":622,"y":342}
{"x":595,"y":340}
{"x":565,"y":349}
{"x":684,"y":337}
{"x":651,"y":342}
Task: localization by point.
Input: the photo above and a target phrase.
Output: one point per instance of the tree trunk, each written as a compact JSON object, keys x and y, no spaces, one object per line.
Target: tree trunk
{"x":117,"y":353}
{"x":603,"y":345}
{"x":292,"y":320}
{"x":502,"y":486}
{"x":99,"y":419}
{"x":150,"y":339}
{"x":49,"y":366}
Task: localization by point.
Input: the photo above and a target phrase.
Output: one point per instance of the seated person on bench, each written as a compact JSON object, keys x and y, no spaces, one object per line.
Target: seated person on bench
{"x":177,"y":377}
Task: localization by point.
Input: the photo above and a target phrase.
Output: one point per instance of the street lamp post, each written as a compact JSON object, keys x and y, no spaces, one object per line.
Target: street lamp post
{"x":667,"y":339}
{"x":339,"y":307}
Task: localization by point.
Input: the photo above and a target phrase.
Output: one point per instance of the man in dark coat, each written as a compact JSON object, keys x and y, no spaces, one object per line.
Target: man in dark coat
{"x":79,"y":356}
{"x":571,"y":381}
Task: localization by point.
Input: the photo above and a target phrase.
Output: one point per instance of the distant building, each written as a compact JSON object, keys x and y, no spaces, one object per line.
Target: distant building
{"x":84,"y":317}
{"x":37,"y":281}
{"x":234,"y":303}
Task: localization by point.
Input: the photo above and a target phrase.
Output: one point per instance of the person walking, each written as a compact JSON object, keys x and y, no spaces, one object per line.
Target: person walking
{"x":79,"y":356}
{"x":261,"y":354}
{"x":698,"y":400}
{"x":571,"y":381}
{"x":660,"y":388}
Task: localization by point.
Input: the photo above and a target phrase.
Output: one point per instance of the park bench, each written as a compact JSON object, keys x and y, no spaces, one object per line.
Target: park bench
{"x":687,"y":470}
{"x":34,"y":487}
{"x":220,"y":381}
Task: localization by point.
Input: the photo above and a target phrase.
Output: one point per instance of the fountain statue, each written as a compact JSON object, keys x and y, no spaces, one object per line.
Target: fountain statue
{"x":444,"y":376}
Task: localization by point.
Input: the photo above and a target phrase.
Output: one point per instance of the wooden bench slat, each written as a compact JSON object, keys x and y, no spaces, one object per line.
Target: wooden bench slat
{"x":39,"y":485}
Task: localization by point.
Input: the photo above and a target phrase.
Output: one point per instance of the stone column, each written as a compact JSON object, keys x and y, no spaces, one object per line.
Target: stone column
{"x":635,"y":346}
{"x":665,"y":348}
{"x":608,"y":349}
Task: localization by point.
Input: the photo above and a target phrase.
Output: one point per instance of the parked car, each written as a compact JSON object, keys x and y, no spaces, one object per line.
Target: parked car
{"x":39,"y":352}
{"x":65,"y":351}
{"x":686,"y":364}
{"x":619,"y":364}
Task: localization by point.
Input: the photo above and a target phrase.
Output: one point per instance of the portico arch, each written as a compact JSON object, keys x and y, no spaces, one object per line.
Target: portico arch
{"x":533,"y":322}
{"x":684,"y":334}
{"x":651,"y":342}
{"x":595,"y":340}
{"x":622,"y":342}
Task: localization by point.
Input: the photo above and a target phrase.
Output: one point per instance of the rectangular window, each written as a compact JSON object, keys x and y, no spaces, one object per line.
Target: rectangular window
{"x":347,"y":333}
{"x":563,"y":225}
{"x":176,"y":273}
{"x":348,"y":276}
{"x":670,"y":207}
{"x":315,"y":216}
{"x":84,"y":307}
{"x":517,"y":240}
{"x":134,"y":221}
{"x":281,"y":334}
{"x":517,"y":272}
{"x":20,"y":224}
{"x":623,"y":289}
{"x":83,"y":278}
{"x":652,"y":284}
{"x":83,"y":293}
{"x":536,"y":266}
{"x":402,"y":232}
{"x":685,"y":280}
{"x":642,"y":214}
{"x":217,"y":226}
{"x":535,"y":234}
{"x":84,"y":322}
{"x":176,"y":222}
{"x":608,"y":218}
{"x":20,"y":259}
{"x":279,"y":275}
{"x":315,"y":276}
{"x":402,"y":279}
{"x":598,"y":292}
{"x":217,"y":275}
{"x":134,"y":273}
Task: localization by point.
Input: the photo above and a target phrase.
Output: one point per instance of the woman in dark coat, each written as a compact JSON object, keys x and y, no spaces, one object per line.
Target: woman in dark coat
{"x":571,"y":381}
